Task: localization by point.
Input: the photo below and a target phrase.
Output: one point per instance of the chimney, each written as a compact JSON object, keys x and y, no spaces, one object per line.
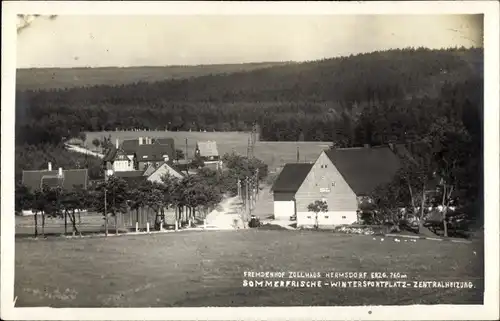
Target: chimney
{"x":140,"y":140}
{"x":117,"y":143}
{"x":50,"y":166}
{"x":60,"y":171}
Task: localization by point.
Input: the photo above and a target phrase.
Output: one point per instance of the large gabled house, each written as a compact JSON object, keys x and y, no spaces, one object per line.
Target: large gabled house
{"x":340,"y":177}
{"x":139,"y":154}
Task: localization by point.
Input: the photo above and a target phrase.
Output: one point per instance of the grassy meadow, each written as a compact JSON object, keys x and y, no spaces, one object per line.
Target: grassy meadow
{"x":193,"y":269}
{"x":274,"y":154}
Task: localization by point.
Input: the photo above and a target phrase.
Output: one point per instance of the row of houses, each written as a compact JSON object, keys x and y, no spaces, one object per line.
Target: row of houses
{"x":145,"y":158}
{"x":343,"y":178}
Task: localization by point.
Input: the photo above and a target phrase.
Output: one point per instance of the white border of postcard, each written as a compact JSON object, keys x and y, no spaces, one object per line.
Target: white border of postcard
{"x":489,"y":310}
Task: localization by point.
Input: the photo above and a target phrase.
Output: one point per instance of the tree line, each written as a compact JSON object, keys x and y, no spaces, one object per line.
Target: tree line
{"x":286,"y":96}
{"x":187,"y":196}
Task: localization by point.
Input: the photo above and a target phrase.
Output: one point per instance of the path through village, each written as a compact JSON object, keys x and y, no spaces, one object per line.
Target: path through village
{"x":230,"y":214}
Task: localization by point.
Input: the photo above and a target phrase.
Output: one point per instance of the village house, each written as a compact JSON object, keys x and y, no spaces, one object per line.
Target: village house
{"x":286,"y":186}
{"x":155,"y":174}
{"x":152,"y":173}
{"x":207,"y":151}
{"x":340,"y":177}
{"x":139,"y":154}
{"x":68,"y":179}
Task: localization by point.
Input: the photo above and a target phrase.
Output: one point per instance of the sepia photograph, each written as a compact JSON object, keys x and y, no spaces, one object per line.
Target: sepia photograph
{"x":249,"y":159}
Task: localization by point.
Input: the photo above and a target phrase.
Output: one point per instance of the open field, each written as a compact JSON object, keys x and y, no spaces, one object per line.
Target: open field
{"x":274,"y":154}
{"x":45,"y":78}
{"x":206,"y":269}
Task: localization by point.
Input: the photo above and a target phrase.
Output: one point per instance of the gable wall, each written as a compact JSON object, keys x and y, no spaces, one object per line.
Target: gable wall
{"x":339,"y":197}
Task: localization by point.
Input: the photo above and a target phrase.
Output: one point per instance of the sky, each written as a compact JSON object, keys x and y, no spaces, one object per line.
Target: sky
{"x":105,"y":41}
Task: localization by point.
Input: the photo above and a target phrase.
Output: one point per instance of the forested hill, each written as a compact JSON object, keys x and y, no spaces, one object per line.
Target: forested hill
{"x":378,"y":75}
{"x":57,"y":78}
{"x":319,"y":98}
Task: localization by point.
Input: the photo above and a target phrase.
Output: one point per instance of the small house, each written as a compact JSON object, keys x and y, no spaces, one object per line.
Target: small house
{"x":154,"y":174}
{"x":68,"y":179}
{"x":286,"y":186}
{"x":207,"y":151}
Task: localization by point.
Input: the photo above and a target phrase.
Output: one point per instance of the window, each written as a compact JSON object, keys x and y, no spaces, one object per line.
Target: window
{"x":326,"y":216}
{"x":343,"y":217}
{"x":145,"y":156}
{"x":308,"y":217}
{"x":326,"y":166}
{"x":321,"y":166}
{"x":333,"y":184}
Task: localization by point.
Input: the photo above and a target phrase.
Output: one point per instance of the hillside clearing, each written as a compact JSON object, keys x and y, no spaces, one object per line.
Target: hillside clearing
{"x":206,"y":269}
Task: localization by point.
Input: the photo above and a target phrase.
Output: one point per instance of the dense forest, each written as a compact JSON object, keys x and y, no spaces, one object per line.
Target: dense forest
{"x":374,"y":98}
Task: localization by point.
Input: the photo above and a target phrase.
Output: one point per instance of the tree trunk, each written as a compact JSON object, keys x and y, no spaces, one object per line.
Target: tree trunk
{"x":106,"y":224}
{"x":73,"y":223}
{"x":116,"y":223}
{"x":65,"y":222}
{"x":36,"y":223}
{"x":137,"y":216}
{"x":43,"y":224}
{"x":176,"y":222}
{"x":421,"y":216}
{"x":445,"y":204}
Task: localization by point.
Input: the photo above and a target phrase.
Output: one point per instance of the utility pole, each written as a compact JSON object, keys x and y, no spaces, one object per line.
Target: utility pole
{"x":247,"y":195}
{"x":248,"y":149}
{"x":257,"y":187}
{"x":239,"y":188}
{"x":298,"y":155}
{"x":105,"y":204}
{"x":186,"y":156}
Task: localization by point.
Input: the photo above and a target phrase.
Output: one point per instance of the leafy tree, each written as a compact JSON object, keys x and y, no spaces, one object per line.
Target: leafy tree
{"x":197,"y":163}
{"x":72,"y":201}
{"x":96,"y":142}
{"x":171,"y":195}
{"x":316,"y":207}
{"x":111,"y":197}
{"x":23,"y":197}
{"x":179,"y":154}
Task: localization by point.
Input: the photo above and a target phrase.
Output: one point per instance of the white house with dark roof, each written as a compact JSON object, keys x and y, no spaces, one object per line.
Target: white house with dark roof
{"x":340,"y":177}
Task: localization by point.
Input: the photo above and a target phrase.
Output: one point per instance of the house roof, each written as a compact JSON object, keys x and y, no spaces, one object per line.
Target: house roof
{"x":150,"y":170}
{"x":208,"y":148}
{"x":75,"y":141}
{"x":365,"y":168}
{"x":131,"y":176}
{"x":110,"y":154}
{"x":163,"y":141}
{"x":167,"y":166}
{"x":154,"y":152}
{"x":291,"y":177}
{"x":129,"y":146}
{"x":70,"y":179}
{"x":128,"y":174}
